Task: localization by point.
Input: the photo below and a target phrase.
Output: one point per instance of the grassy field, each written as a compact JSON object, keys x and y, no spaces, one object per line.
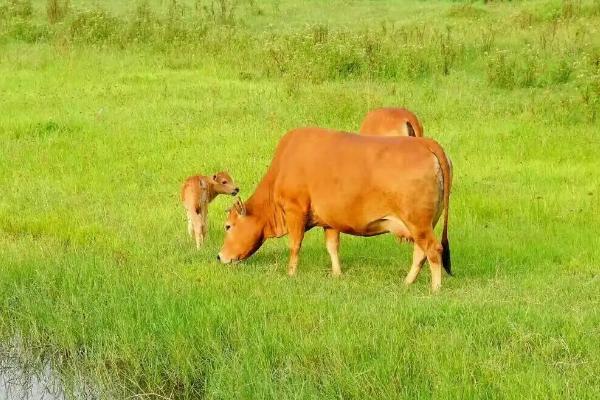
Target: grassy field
{"x":105,"y":111}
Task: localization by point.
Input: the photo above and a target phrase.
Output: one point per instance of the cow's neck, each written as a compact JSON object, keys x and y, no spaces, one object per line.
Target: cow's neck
{"x":262,"y":205}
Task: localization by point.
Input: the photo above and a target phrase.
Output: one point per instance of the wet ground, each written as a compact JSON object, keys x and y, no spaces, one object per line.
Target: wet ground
{"x":25,"y":375}
{"x":19,"y":382}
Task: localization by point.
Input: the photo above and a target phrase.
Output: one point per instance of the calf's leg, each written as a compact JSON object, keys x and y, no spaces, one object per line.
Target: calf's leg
{"x":332,"y":241}
{"x":190,"y":227}
{"x":199,"y":231}
{"x":204,"y":218}
{"x":192,"y":222}
{"x":197,"y":226}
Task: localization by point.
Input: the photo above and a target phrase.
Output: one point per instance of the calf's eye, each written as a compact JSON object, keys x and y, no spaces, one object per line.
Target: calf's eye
{"x":227,"y":227}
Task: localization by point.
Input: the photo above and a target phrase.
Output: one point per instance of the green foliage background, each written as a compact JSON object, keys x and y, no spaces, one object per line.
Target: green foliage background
{"x":105,"y":107}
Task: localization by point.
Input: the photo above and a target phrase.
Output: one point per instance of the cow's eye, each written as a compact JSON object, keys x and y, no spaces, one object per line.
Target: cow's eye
{"x":224,"y":182}
{"x":227,"y":227}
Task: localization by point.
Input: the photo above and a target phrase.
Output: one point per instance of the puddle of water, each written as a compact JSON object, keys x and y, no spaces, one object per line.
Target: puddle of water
{"x":16,"y":383}
{"x":27,"y":378}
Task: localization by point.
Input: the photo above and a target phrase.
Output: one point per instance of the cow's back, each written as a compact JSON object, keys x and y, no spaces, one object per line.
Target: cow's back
{"x":391,"y":122}
{"x":318,"y":152}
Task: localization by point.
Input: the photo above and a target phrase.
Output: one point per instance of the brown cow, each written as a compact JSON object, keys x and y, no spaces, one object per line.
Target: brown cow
{"x":358,"y":185}
{"x":391,"y":122}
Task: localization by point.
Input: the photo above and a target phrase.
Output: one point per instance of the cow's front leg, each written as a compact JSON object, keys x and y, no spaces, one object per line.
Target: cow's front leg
{"x":295,"y":224}
{"x":332,"y":242}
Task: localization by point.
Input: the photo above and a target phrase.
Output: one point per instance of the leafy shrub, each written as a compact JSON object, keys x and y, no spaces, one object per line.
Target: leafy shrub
{"x":16,"y":8}
{"x":500,"y":70}
{"x":95,"y":27}
{"x":562,"y":72}
{"x":382,"y":54}
{"x":588,"y":85}
{"x":529,"y":67}
{"x":26,"y":30}
{"x":143,"y":23}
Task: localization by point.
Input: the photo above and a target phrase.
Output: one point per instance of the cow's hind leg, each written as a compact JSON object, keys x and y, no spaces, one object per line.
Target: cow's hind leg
{"x":433,"y":250}
{"x":332,"y":242}
{"x":419,"y":258}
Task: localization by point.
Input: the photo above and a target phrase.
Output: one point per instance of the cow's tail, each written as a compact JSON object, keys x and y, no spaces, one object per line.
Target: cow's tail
{"x":446,"y":168}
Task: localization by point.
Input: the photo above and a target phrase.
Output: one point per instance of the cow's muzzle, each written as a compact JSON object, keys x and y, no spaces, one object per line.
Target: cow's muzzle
{"x":223,"y":260}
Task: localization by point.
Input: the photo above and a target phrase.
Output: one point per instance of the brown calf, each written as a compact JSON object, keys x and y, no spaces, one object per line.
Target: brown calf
{"x":391,"y":122}
{"x":362,"y":186}
{"x":196,"y":192}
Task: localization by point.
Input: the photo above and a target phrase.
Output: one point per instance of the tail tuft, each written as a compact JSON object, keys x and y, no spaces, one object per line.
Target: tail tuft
{"x":446,"y":263}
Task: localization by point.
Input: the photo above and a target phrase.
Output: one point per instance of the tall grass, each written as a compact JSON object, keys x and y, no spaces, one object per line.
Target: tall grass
{"x":553,"y":40}
{"x":56,"y":10}
{"x":553,"y":44}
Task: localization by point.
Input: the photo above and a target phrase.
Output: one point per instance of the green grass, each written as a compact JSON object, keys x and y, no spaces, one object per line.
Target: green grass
{"x":97,"y":274}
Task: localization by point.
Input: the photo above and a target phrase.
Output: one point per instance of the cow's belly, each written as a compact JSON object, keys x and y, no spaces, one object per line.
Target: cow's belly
{"x":386,"y":224}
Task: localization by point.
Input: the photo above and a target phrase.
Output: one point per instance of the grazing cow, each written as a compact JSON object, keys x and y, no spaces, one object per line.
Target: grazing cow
{"x":196,"y":192}
{"x":358,"y":185}
{"x":391,"y":122}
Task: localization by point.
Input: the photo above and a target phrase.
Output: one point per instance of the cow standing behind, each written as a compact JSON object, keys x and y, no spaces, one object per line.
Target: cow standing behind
{"x":196,"y":193}
{"x":391,"y":122}
{"x":362,"y":186}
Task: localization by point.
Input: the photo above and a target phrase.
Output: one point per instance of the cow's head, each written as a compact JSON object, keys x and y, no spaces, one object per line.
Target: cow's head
{"x":243,"y":234}
{"x":223,"y":184}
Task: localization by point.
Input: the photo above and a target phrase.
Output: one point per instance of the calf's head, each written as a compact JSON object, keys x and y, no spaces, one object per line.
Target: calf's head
{"x":243,"y":234}
{"x":223,"y":184}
